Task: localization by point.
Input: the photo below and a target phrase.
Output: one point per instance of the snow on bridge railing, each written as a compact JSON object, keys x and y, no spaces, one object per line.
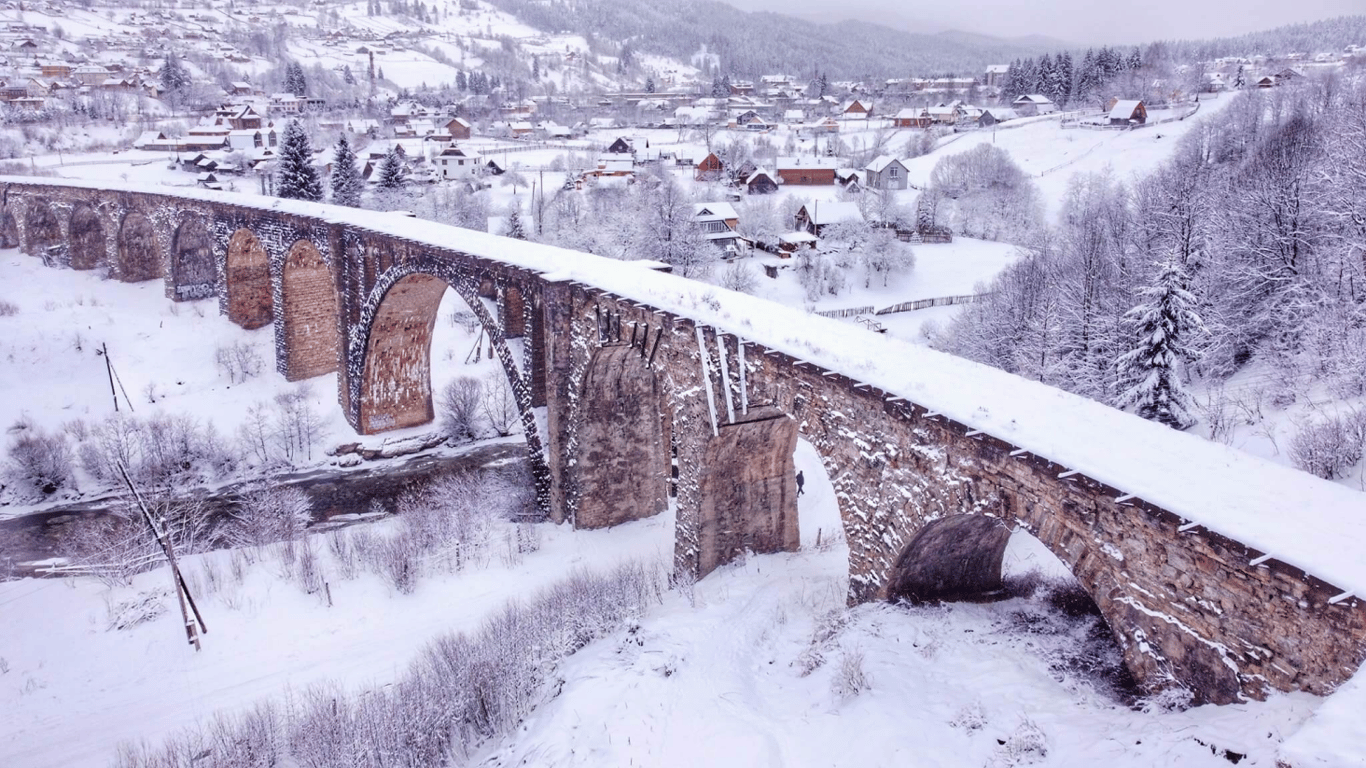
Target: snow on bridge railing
{"x":1306,"y":522}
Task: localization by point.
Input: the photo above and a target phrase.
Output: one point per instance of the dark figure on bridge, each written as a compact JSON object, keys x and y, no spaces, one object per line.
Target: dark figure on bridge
{"x":800,"y":482}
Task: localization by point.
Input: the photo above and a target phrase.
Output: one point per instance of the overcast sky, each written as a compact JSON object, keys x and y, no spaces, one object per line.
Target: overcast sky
{"x":1078,"y":21}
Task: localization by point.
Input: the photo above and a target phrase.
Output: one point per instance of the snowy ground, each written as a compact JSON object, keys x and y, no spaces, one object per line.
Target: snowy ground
{"x":744,"y":673}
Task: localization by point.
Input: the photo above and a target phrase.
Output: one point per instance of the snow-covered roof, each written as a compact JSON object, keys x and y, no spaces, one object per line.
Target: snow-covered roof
{"x":821,"y":214}
{"x":998,"y":69}
{"x":807,"y":161}
{"x":796,"y":238}
{"x":1124,"y":109}
{"x":881,"y":162}
{"x":713,"y":212}
{"x":910,"y":113}
{"x":1034,"y":98}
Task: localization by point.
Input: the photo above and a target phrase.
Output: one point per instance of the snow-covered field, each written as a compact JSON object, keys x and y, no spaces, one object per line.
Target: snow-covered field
{"x":753,"y":668}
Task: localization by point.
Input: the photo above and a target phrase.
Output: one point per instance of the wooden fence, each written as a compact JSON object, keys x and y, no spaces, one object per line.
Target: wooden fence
{"x":939,"y":301}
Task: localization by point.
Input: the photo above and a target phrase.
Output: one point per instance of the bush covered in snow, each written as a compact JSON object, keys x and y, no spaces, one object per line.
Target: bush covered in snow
{"x":1327,"y":448}
{"x":463,"y":690}
{"x":38,"y":463}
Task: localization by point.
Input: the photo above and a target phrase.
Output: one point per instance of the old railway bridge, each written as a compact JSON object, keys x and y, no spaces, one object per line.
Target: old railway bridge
{"x":629,"y":379}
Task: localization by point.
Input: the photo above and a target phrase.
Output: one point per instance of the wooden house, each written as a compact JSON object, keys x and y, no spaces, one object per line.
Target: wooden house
{"x":761,"y":183}
{"x":822,"y":215}
{"x":1127,"y":112}
{"x":886,"y":172}
{"x":911,"y":117}
{"x":807,"y":171}
{"x":1034,"y":104}
{"x":711,"y":168}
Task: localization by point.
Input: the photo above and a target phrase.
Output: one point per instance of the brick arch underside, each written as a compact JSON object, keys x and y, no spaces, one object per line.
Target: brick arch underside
{"x":41,"y":228}
{"x":396,"y":387}
{"x":193,"y":275}
{"x":88,"y":247}
{"x":251,"y":301}
{"x":959,"y":557}
{"x":309,"y":298}
{"x":139,"y":259}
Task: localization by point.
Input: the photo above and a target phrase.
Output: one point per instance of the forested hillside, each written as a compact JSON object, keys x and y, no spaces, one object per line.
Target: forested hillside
{"x":1261,"y":217}
{"x":753,"y":44}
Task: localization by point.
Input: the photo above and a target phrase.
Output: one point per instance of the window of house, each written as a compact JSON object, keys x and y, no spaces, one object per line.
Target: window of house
{"x":893,"y":171}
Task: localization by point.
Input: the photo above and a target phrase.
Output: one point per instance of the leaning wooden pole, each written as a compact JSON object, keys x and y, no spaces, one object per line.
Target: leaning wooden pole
{"x":192,"y":628}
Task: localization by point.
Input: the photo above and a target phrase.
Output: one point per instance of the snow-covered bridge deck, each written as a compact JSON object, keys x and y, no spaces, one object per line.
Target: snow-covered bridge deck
{"x":1282,"y":515}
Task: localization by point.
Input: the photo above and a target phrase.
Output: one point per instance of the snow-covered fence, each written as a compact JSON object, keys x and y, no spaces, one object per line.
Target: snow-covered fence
{"x":840,"y":314}
{"x":938,"y":301}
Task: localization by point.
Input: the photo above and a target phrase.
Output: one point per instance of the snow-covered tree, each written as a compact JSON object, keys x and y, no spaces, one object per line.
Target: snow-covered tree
{"x":174,"y":76}
{"x":297,"y":179}
{"x":1166,"y":326}
{"x":513,"y":227}
{"x":295,"y":81}
{"x":391,"y":170}
{"x":346,"y":180}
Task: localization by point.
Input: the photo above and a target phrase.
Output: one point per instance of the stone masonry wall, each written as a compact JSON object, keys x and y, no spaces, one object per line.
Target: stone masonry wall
{"x":309,"y":314}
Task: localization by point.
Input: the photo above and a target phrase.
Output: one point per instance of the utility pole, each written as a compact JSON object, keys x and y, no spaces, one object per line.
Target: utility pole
{"x":109,"y":369}
{"x":193,"y":629}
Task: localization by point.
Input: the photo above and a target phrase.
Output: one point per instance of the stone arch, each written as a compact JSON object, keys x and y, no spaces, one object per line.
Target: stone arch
{"x":192,"y":270}
{"x":88,"y":247}
{"x":309,"y":314}
{"x":41,"y":228}
{"x":250,"y":298}
{"x":953,"y":558}
{"x":139,"y":258}
{"x":395,"y":386}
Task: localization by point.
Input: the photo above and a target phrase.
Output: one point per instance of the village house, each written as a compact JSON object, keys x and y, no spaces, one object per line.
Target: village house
{"x":760,"y":183}
{"x":912,"y":117}
{"x":54,"y":69}
{"x":459,"y":164}
{"x":886,"y":172}
{"x":458,"y":128}
{"x":286,"y":103}
{"x":1034,"y":104}
{"x":622,"y":146}
{"x":710,"y":169}
{"x":857,"y":110}
{"x":993,"y":115}
{"x":240,"y":88}
{"x":90,"y":74}
{"x":822,"y":215}
{"x":244,"y":118}
{"x":807,"y":171}
{"x":1127,"y":112}
{"x":996,"y":75}
{"x":946,"y":113}
{"x":717,"y":221}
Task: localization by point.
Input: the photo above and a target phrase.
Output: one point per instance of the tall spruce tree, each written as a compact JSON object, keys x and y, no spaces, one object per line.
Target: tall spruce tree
{"x":346,"y":180}
{"x":1166,"y":325}
{"x":513,"y":227}
{"x":173,"y":74}
{"x":295,"y":81}
{"x":297,"y":179}
{"x":391,"y":170}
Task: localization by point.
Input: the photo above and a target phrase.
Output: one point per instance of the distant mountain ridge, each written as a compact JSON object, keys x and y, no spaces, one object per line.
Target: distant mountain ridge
{"x":755,"y":43}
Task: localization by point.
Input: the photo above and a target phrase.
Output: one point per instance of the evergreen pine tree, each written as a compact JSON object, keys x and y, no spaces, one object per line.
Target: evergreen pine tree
{"x":1166,"y":322}
{"x":824,"y":83}
{"x":297,"y":179}
{"x":1240,"y":79}
{"x":1135,"y":60}
{"x":173,"y":74}
{"x":649,"y":85}
{"x":346,"y":180}
{"x":347,"y":76}
{"x":1044,"y":77}
{"x":513,"y":226}
{"x":1064,"y":77}
{"x":461,"y":82}
{"x":295,"y":82}
{"x":535,"y":68}
{"x":391,"y":170}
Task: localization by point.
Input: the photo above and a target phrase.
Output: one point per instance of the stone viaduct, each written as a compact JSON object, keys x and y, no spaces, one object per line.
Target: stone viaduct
{"x":630,"y":400}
